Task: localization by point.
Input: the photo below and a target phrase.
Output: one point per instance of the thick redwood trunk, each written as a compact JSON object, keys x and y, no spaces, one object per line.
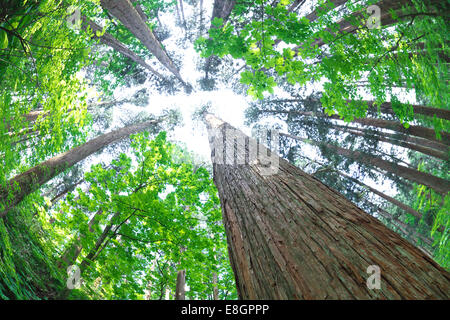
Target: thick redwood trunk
{"x":291,"y":237}
{"x":438,"y":184}
{"x":22,"y":185}
{"x":130,"y":18}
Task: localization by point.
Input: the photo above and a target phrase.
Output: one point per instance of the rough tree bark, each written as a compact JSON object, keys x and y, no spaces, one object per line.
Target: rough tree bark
{"x":291,"y":237}
{"x":23,"y":184}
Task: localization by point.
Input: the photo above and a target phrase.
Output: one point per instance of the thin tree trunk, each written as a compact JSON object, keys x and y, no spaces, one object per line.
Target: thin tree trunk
{"x":181,"y":280}
{"x":93,"y":253}
{"x":215,"y":288}
{"x":438,"y":184}
{"x":65,"y":191}
{"x":108,"y":40}
{"x":426,"y":146}
{"x":200,"y":33}
{"x":130,"y":18}
{"x":182,"y":15}
{"x":140,"y":10}
{"x":418,"y":148}
{"x":72,"y":253}
{"x":386,"y":107}
{"x":418,"y":131}
{"x":291,"y":237}
{"x":395,"y":202}
{"x":23,"y":184}
{"x":386,"y":19}
{"x":180,"y":293}
{"x":221,"y":9}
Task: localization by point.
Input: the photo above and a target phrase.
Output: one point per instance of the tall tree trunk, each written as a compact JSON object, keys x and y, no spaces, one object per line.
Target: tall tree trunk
{"x":291,"y":237}
{"x":23,"y":184}
{"x":386,"y":19}
{"x":221,"y":9}
{"x":418,"y":131}
{"x":130,"y":18}
{"x":108,"y":40}
{"x":182,"y":15}
{"x":433,"y":148}
{"x":215,"y":288}
{"x":386,"y":107}
{"x":93,"y":253}
{"x":181,"y":281}
{"x":72,"y":253}
{"x":200,"y":32}
{"x":438,"y":184}
{"x":395,"y":202}
{"x":180,"y":293}
{"x":409,"y":233}
{"x":425,"y":150}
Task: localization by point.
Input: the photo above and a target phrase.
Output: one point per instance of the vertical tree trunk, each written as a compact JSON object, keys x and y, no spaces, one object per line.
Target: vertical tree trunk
{"x":23,"y":184}
{"x":182,"y":14}
{"x":393,"y":201}
{"x":130,"y":18}
{"x":438,"y":184}
{"x":291,"y":237}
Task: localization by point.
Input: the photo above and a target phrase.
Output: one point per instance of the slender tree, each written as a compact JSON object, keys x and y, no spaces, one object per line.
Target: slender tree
{"x":130,"y":18}
{"x":440,"y":185}
{"x":108,"y":40}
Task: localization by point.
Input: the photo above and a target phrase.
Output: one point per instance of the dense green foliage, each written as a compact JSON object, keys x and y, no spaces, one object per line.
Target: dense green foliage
{"x":134,"y":214}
